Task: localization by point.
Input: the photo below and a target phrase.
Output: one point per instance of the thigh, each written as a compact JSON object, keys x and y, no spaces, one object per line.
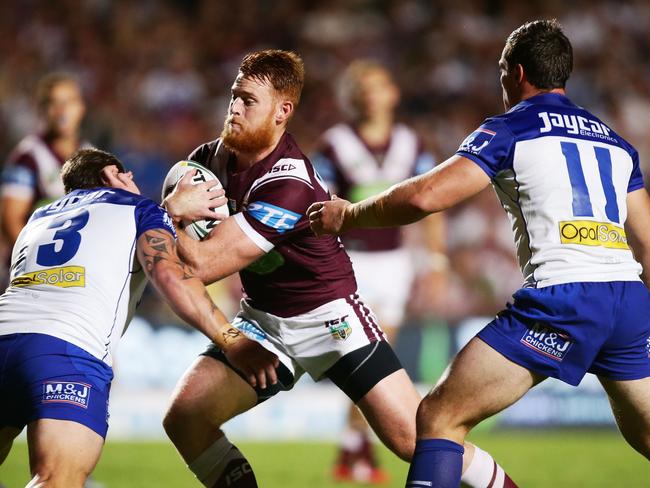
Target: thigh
{"x":390,"y":408}
{"x":208,"y":394}
{"x":65,"y":463}
{"x":479,"y":383}
{"x":630,"y":401}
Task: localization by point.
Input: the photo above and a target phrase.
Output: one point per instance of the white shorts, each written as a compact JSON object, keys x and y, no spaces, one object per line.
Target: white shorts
{"x":314,"y":341}
{"x":385,"y":279}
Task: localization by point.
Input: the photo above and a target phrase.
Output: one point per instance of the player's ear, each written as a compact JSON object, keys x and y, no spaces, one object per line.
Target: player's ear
{"x":109,"y":176}
{"x":284,"y":111}
{"x":520,"y":74}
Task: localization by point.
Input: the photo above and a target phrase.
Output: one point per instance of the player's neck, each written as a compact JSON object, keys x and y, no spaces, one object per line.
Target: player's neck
{"x":247,"y":159}
{"x":534,"y":91}
{"x":376,"y":131}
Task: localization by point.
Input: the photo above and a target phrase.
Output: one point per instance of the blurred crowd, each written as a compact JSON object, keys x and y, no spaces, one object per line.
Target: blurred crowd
{"x":156,"y":77}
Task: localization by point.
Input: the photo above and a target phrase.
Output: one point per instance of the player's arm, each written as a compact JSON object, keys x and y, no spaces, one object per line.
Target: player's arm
{"x":225,"y":251}
{"x":188,"y":298}
{"x":449,"y":183}
{"x":14,"y":213}
{"x":637,"y":228}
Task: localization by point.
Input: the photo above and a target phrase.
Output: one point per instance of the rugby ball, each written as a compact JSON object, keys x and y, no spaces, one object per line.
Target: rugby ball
{"x":197,"y":229}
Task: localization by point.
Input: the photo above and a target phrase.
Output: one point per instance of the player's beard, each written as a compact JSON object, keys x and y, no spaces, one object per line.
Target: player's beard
{"x":248,"y":141}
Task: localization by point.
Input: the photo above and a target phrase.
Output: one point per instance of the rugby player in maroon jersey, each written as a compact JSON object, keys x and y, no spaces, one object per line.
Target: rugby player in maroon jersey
{"x":300,"y":292}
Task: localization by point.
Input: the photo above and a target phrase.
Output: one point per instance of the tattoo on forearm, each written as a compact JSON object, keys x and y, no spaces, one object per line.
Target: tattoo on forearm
{"x":161,"y":247}
{"x":230,"y":335}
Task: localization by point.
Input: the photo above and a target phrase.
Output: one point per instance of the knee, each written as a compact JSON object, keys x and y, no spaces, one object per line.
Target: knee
{"x":402,"y":444}
{"x":438,"y":418}
{"x":47,"y":475}
{"x":178,"y":415}
{"x":640,"y":441}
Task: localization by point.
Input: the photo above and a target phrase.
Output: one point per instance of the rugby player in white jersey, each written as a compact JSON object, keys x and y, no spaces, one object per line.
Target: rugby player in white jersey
{"x":580,"y":214}
{"x":301,"y":301}
{"x":78,"y":270}
{"x":363,"y":155}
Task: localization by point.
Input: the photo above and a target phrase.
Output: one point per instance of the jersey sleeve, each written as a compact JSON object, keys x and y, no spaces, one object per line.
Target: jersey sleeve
{"x":276,"y":211}
{"x":19,"y":178}
{"x":490,"y":146}
{"x":149,"y":215}
{"x":636,"y":178}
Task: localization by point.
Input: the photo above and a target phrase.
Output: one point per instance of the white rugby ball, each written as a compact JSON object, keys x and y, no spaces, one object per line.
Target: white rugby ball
{"x":198,"y":229}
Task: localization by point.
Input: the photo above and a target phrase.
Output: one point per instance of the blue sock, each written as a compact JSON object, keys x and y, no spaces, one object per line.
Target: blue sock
{"x":437,"y":463}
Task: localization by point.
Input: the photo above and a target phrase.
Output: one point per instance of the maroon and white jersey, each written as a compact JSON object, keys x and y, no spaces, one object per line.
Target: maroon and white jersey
{"x":33,"y":172}
{"x":354,"y":171}
{"x":269,"y":201}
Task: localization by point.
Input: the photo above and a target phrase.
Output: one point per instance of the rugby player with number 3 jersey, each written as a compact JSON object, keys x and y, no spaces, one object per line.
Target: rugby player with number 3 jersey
{"x":79,"y":268}
{"x":300,"y":292}
{"x":573,"y":190}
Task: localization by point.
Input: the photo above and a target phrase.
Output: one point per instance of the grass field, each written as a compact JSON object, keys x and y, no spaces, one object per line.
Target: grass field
{"x":533,"y":458}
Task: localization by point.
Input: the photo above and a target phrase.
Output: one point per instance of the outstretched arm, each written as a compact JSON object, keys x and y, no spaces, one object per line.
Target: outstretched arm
{"x":176,"y":281}
{"x":451,"y":182}
{"x":637,"y":228}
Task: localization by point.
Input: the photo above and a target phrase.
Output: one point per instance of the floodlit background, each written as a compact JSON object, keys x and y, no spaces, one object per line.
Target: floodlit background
{"x":156,"y":77}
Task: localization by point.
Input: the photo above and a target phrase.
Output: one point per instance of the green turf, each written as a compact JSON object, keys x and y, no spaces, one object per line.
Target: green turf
{"x":534,"y":459}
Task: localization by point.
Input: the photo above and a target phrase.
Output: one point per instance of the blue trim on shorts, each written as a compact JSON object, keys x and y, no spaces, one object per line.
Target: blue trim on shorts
{"x":565,"y":331}
{"x":43,"y":376}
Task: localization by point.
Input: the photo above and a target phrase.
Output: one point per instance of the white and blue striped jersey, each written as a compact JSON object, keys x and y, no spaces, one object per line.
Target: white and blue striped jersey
{"x":74,"y":271}
{"x":563,"y":177}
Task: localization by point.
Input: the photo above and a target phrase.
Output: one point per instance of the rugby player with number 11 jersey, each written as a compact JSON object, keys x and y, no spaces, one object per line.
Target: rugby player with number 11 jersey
{"x":573,"y":191}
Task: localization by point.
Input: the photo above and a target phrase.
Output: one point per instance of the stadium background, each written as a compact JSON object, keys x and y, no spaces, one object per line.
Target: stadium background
{"x":156,"y":77}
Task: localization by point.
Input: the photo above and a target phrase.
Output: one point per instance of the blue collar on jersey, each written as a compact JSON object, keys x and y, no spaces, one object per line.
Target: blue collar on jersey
{"x":544,"y":99}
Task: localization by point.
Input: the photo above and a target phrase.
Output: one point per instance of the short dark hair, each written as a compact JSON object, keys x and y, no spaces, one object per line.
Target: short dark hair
{"x":48,"y":82}
{"x":84,"y":169}
{"x":283,"y":69}
{"x":543,"y":51}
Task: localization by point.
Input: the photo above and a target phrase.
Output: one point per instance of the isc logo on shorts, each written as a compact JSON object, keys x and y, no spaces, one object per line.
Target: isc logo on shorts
{"x":66,"y":392}
{"x":547,"y":341}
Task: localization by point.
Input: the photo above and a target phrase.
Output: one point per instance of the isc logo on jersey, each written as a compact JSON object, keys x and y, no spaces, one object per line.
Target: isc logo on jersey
{"x":270,"y":215}
{"x":66,"y":392}
{"x":590,"y":233}
{"x":63,"y":277}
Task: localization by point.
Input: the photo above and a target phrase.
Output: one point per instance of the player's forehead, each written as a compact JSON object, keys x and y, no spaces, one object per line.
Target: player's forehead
{"x":251,"y":85}
{"x":65,"y":88}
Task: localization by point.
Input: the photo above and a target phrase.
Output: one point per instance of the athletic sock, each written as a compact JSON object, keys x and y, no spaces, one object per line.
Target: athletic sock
{"x":484,"y":472}
{"x":223,"y":465}
{"x":436,"y":463}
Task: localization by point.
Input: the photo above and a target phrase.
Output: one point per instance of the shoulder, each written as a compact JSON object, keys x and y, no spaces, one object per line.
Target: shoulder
{"x":286,"y":170}
{"x":203,"y":153}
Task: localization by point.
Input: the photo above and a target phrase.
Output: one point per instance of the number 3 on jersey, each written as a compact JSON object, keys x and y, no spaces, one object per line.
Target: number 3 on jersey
{"x":67,"y":238}
{"x":581,"y":199}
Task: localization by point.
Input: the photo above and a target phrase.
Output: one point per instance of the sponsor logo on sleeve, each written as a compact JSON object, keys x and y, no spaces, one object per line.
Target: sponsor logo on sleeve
{"x":272,"y":216}
{"x":477,"y":140}
{"x":339,"y":328}
{"x":70,"y":392}
{"x":547,"y":341}
{"x":590,"y":233}
{"x":63,"y":277}
{"x":647,"y":346}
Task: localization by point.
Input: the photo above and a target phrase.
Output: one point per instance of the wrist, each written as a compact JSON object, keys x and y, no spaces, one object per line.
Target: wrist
{"x":229,"y":337}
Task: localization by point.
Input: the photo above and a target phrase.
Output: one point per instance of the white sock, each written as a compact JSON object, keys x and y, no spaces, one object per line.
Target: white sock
{"x":483,"y":471}
{"x":211,"y":462}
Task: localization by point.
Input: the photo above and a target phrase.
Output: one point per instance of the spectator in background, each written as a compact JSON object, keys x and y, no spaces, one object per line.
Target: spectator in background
{"x":366,"y":154}
{"x":31,"y":176}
